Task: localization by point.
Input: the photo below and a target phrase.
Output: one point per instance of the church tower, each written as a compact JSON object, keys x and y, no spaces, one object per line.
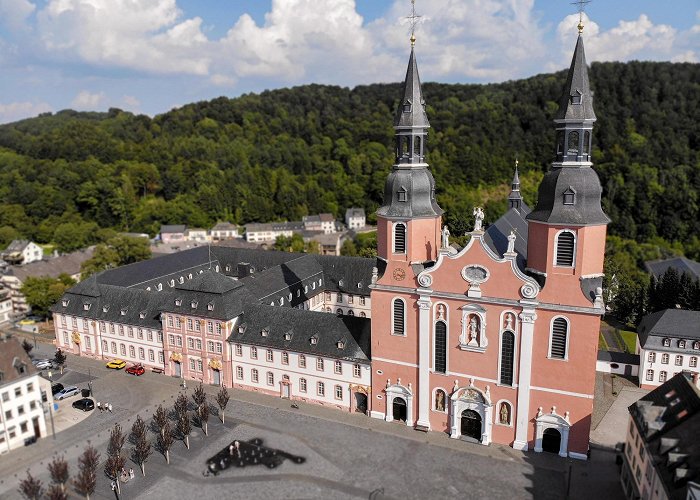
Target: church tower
{"x":566,"y":230}
{"x":409,"y":223}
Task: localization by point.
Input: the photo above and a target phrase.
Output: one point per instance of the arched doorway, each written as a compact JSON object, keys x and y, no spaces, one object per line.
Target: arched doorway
{"x":471,"y":425}
{"x":399,"y":410}
{"x":551,"y":440}
{"x":360,"y":402}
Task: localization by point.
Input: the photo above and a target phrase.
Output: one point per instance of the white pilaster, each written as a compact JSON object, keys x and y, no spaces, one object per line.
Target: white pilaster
{"x":522,"y":411}
{"x":424,"y":362}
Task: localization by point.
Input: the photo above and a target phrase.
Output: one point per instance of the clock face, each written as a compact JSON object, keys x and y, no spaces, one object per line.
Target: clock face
{"x":399,"y":274}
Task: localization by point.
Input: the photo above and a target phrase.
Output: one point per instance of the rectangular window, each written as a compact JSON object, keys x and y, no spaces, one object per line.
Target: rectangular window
{"x":140,"y":335}
{"x":105,"y":346}
{"x":254,"y":375}
{"x":192,"y":365}
{"x":149,"y":336}
{"x":319,"y":364}
{"x":23,"y":427}
{"x":197,"y":326}
{"x":239,"y":372}
{"x":559,"y":335}
{"x":65,"y":338}
{"x":87,"y":342}
{"x":8,"y":414}
{"x":200,"y":365}
{"x":210,"y":327}
{"x":652,"y":357}
{"x":160,"y":336}
{"x":75,"y":322}
{"x":85,"y":324}
{"x":32,"y":405}
{"x":270,"y":378}
{"x":302,"y":361}
{"x":114,"y":348}
{"x":350,"y":299}
{"x":693,"y":361}
{"x":356,"y":370}
{"x":121,"y":330}
{"x":111,"y":328}
{"x":650,"y":375}
{"x":254,"y":352}
{"x":338,"y":392}
{"x":122,"y":349}
{"x":131,"y":332}
{"x":679,"y":360}
{"x":18,"y":392}
{"x":161,"y":357}
{"x":320,"y":389}
{"x":285,"y":358}
{"x":662,"y":376}
{"x":269,"y":355}
{"x":170,"y":321}
{"x":218,"y":328}
{"x":199,"y":344}
{"x":302,"y":385}
{"x":103,"y":328}
{"x":219,"y":348}
{"x":5,"y":396}
{"x":664,"y":359}
{"x":239,"y":350}
{"x":178,"y":323}
{"x":362,"y":301}
{"x":328,"y":296}
{"x":189,"y":323}
{"x":132,"y":351}
{"x":190,"y":342}
{"x":151,"y":355}
{"x":142,"y":353}
{"x":171,"y":339}
{"x":338,"y":369}
{"x":178,"y":340}
{"x":398,"y":317}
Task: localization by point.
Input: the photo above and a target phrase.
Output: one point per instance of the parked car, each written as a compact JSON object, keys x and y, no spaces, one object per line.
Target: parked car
{"x":56,"y":388}
{"x":39,"y":360}
{"x":136,"y":370}
{"x":85,"y":404}
{"x":116,"y":364}
{"x":44,"y":365}
{"x":30,"y":440}
{"x":67,"y":392}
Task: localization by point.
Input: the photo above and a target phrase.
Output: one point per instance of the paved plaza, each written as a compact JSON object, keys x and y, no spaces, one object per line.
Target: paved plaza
{"x":347,"y":455}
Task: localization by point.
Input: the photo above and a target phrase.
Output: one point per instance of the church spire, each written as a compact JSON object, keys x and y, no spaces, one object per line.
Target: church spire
{"x":515,"y":200}
{"x":411,"y":110}
{"x":576,"y":102}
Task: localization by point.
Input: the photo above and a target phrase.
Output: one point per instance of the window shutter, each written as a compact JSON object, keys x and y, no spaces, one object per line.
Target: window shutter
{"x":398,"y":317}
{"x":440,"y":347}
{"x":399,"y":238}
{"x":565,"y":249}
{"x":507,"y":344}
{"x":559,"y":332}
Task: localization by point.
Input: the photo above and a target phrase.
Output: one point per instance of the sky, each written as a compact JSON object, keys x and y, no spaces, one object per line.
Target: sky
{"x":149,"y":56}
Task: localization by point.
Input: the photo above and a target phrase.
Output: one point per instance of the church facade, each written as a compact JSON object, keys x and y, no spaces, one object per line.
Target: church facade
{"x":495,"y":342}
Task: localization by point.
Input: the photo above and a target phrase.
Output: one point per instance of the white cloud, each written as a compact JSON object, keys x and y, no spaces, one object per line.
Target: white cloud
{"x":87,"y":101}
{"x":18,"y":110}
{"x":131,"y":103}
{"x":14,"y":13}
{"x":145,"y":35}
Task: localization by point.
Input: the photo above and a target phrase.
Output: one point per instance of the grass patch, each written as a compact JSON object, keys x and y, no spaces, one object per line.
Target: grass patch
{"x":602,"y":344}
{"x":629,"y":339}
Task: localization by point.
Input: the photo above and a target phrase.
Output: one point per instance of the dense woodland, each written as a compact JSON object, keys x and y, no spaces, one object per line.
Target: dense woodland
{"x":291,"y":152}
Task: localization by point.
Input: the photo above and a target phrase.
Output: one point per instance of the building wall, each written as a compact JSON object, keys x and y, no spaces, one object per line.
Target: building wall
{"x":652,"y":364}
{"x":168,"y":238}
{"x":19,"y":303}
{"x":639,"y":477}
{"x":32,"y":253}
{"x":6,"y":309}
{"x":20,"y":404}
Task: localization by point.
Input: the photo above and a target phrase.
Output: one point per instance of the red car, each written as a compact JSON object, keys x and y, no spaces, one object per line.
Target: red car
{"x":136,"y":370}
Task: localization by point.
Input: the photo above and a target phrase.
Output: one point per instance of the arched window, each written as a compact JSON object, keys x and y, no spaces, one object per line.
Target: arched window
{"x":399,"y":238}
{"x":416,"y":146}
{"x":566,"y":243}
{"x":339,"y":312}
{"x":586,"y":142}
{"x":440,"y":347}
{"x":404,"y":146}
{"x":351,"y":313}
{"x":572,"y":147}
{"x":559,"y":338}
{"x":398,"y":317}
{"x":507,"y":352}
{"x":362,"y":315}
{"x":560,"y":144}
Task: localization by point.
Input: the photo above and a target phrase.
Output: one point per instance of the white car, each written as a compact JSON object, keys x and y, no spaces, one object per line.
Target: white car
{"x":44,"y":364}
{"x":67,"y":392}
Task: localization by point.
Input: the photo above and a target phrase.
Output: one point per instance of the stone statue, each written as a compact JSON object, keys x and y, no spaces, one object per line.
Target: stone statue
{"x":439,"y":401}
{"x":445,"y":237}
{"x":511,"y":242}
{"x":509,"y":321}
{"x":478,"y":214}
{"x":473,"y":330}
{"x":504,"y":414}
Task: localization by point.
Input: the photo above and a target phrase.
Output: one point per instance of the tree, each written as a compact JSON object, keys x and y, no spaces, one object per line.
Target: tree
{"x":184,"y":427}
{"x":27,"y":346}
{"x":181,"y":404}
{"x":60,"y":359}
{"x":56,"y":493}
{"x":115,"y":461}
{"x":31,"y":487}
{"x":199,"y":397}
{"x":204,"y":417}
{"x":160,"y":418}
{"x":165,"y":441}
{"x":41,"y":293}
{"x":142,"y":447}
{"x":87,"y":476}
{"x":222,"y":399}
{"x":58,"y":468}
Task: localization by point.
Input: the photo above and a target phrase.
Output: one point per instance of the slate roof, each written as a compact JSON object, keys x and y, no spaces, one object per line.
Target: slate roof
{"x":327,"y":328}
{"x":577,"y":83}
{"x":224,"y":226}
{"x":668,"y":419}
{"x":347,"y":274}
{"x":16,"y":246}
{"x":288,"y":278}
{"x":274,"y":226}
{"x":412,"y":94}
{"x":670,"y":323}
{"x":681,"y":264}
{"x":496,"y":236}
{"x":173,"y":228}
{"x":11,"y":356}
{"x":623,"y":358}
{"x":68,"y":264}
{"x":354,"y":212}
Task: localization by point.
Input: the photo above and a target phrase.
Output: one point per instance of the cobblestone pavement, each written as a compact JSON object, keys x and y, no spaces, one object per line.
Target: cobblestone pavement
{"x":348,"y":455}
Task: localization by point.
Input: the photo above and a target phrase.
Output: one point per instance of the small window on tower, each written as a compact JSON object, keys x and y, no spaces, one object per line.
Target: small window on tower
{"x":569,"y":196}
{"x":402,"y":194}
{"x":573,"y":148}
{"x":407,"y":107}
{"x":576,"y":98}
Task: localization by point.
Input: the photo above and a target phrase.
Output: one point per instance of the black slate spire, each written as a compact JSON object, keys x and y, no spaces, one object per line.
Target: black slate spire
{"x":411,"y":110}
{"x":576,"y":102}
{"x":515,"y":199}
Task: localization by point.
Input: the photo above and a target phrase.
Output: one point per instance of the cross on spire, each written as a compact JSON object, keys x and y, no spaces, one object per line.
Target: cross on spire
{"x":581,"y":9}
{"x":413,"y":20}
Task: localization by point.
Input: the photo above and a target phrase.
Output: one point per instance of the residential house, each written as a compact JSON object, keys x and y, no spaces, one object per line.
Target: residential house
{"x":5,"y":305}
{"x":21,"y":252}
{"x":268,"y":232}
{"x":324,"y":223}
{"x":224,"y":231}
{"x":355,"y":218}
{"x":197,"y":234}
{"x":172,"y":233}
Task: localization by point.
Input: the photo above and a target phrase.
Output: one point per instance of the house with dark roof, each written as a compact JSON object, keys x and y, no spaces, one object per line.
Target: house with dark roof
{"x":662,"y":450}
{"x":224,"y":231}
{"x":355,"y":218}
{"x":173,"y":233}
{"x":668,"y":343}
{"x":682,"y":265}
{"x":23,"y":394}
{"x":20,"y":252}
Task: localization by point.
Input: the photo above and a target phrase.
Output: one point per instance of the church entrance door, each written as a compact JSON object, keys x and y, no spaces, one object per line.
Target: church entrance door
{"x":360,"y":402}
{"x":178,"y":369}
{"x":399,"y":410}
{"x":471,"y":425}
{"x":551,"y":440}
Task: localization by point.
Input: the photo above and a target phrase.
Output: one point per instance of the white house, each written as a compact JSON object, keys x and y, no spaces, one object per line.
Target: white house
{"x":5,"y":305}
{"x":355,"y":218}
{"x":196,"y":234}
{"x":24,"y":397}
{"x":321,"y":222}
{"x":224,"y":231}
{"x":22,"y":252}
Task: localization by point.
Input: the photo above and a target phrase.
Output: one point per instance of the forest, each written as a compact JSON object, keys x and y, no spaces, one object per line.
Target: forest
{"x":67,"y":177}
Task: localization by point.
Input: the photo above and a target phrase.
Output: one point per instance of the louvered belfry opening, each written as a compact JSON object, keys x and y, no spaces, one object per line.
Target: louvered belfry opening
{"x":440,"y":347}
{"x":507,"y":346}
{"x":399,"y":238}
{"x":560,"y":329}
{"x":398,"y":317}
{"x":565,"y":249}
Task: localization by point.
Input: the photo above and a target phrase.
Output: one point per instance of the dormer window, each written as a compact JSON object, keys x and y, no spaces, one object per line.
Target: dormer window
{"x":105,"y":308}
{"x":340,"y":282}
{"x":123,"y":311}
{"x":313,"y":340}
{"x":359,"y":284}
{"x":194,"y":304}
{"x":667,"y":342}
{"x":65,"y":302}
{"x":181,"y":280}
{"x":86,"y":306}
{"x":576,"y":98}
{"x":281,"y":301}
{"x":696,"y":345}
{"x":210,"y":306}
{"x":569,"y":196}
{"x":265,"y":332}
{"x":288,"y":336}
{"x":681,"y":344}
{"x":407,"y":107}
{"x":172,"y":283}
{"x":178,"y":302}
{"x":228,"y":268}
{"x":289,"y":297}
{"x":402,"y":194}
{"x":340,"y":344}
{"x":242,"y":328}
{"x":159,"y":287}
{"x":142,"y":314}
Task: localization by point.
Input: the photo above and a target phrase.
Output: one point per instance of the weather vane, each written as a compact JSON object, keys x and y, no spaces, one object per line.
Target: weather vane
{"x":581,"y":8}
{"x":413,"y":19}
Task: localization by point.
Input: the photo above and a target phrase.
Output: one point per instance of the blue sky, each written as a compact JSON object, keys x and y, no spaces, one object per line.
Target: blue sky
{"x":148,"y":56}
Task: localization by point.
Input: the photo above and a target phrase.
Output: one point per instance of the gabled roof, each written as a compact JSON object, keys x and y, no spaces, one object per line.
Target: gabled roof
{"x":175,"y":228}
{"x":224,"y":226}
{"x":354,"y":212}
{"x":12,"y":356}
{"x":68,"y":264}
{"x":16,"y":246}
{"x":209,"y":282}
{"x":496,"y":236}
{"x":669,"y":323}
{"x":681,"y":264}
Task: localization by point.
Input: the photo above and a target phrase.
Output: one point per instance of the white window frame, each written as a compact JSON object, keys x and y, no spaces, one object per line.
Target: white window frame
{"x":556,"y":247}
{"x":395,"y":299}
{"x":551,"y":334}
{"x":393,"y":238}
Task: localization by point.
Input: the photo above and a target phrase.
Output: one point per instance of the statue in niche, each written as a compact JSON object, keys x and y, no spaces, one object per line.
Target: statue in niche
{"x":504,"y":414}
{"x":473,"y":330}
{"x":441,"y":312}
{"x":445,"y":237}
{"x":439,"y":400}
{"x":509,"y":321}
{"x":478,"y":214}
